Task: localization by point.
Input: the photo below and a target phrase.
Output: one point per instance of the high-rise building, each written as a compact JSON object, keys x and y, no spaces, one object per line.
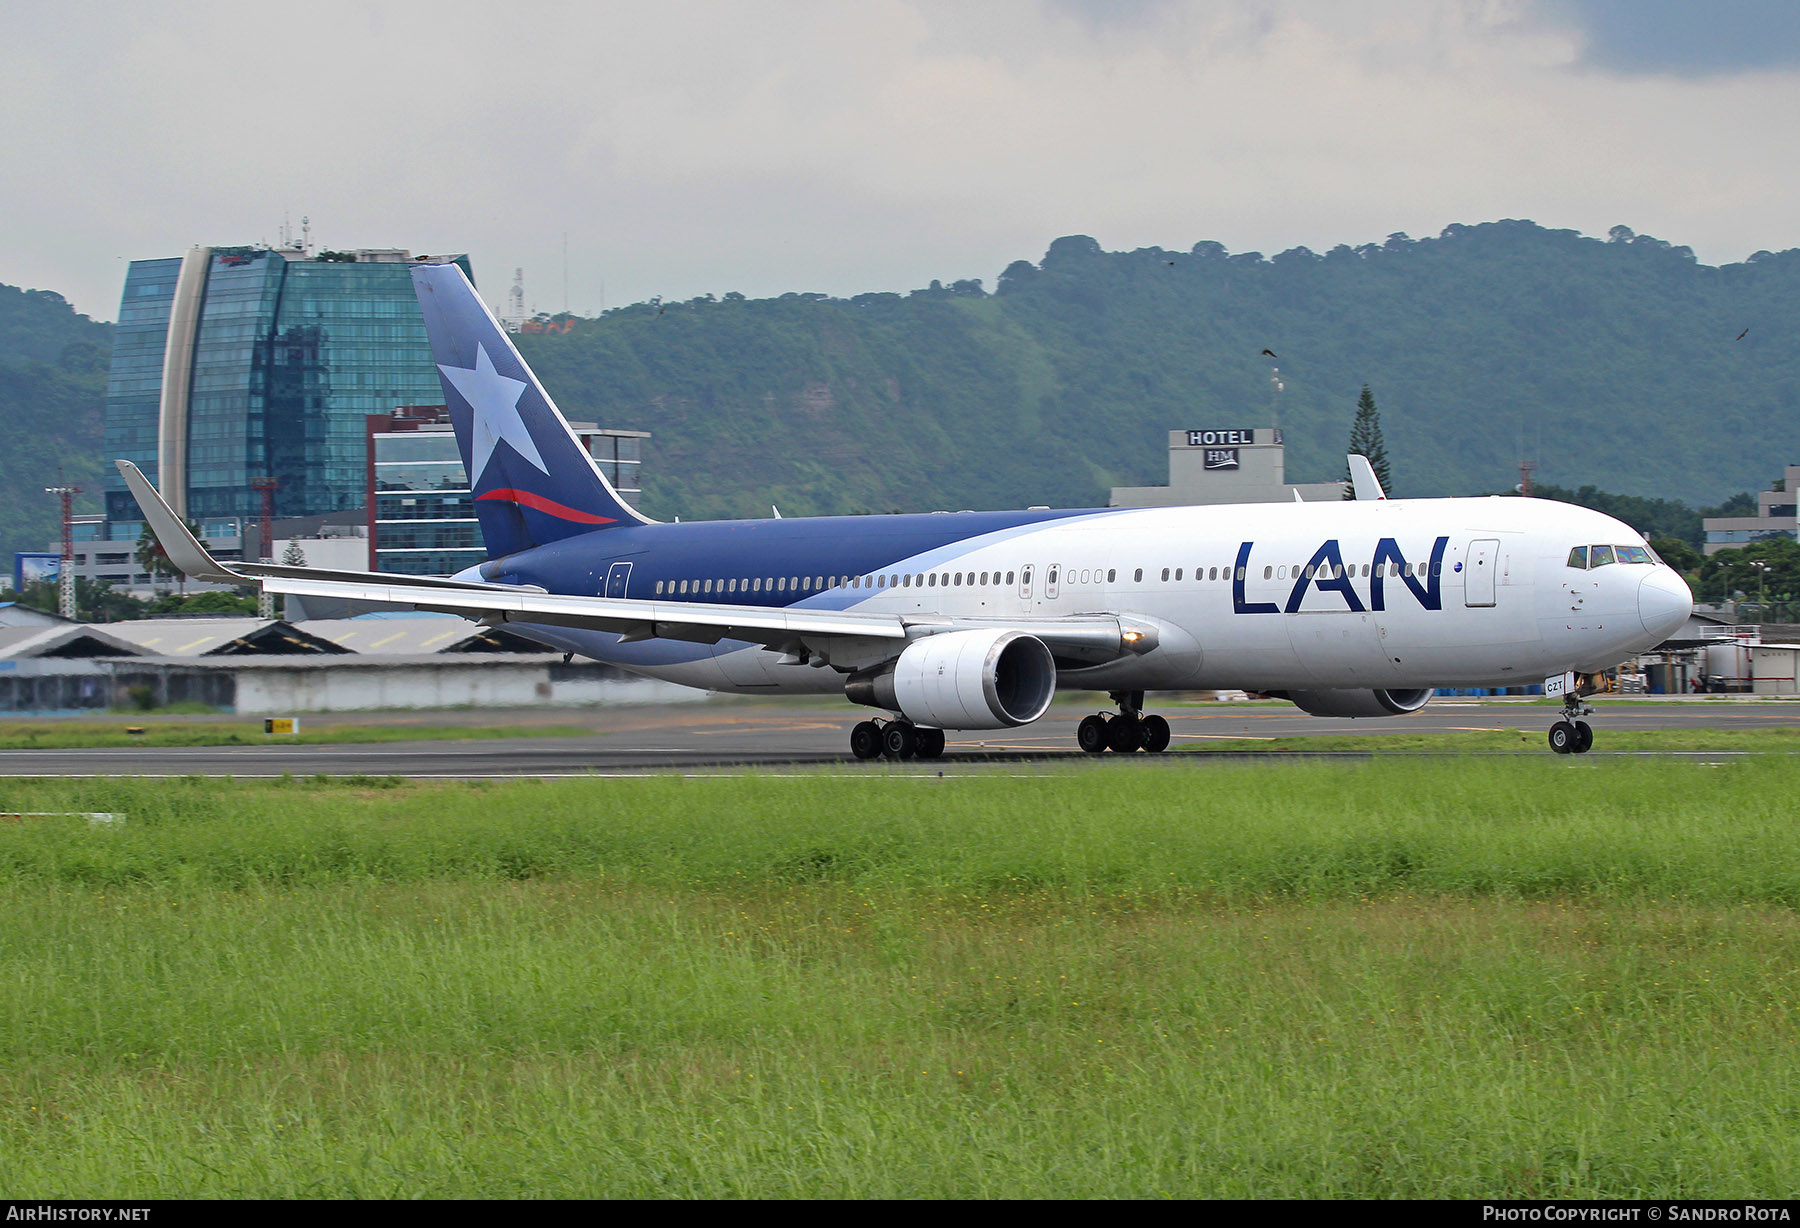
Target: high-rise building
{"x":233,"y":364}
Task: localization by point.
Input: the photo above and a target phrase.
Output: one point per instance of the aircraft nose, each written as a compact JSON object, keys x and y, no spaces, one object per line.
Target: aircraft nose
{"x":1664,"y":602}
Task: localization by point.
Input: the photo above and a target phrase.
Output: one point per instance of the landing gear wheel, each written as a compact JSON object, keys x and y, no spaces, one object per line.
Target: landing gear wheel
{"x":1562,"y":738}
{"x":865,"y":740}
{"x":1092,"y":735}
{"x":1153,"y":734}
{"x":900,"y":740}
{"x":1584,"y":738}
{"x":931,"y":743}
{"x":1123,"y":734}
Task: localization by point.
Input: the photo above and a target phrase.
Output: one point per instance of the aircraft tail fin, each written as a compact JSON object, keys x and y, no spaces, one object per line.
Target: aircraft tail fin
{"x":532,"y":481}
{"x":1362,"y":478}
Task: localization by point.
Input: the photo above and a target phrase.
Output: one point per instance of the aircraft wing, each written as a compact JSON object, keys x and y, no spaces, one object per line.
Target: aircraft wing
{"x":1086,"y":638}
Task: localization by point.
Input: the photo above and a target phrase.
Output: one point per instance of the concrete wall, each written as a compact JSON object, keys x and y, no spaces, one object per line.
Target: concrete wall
{"x":288,"y":685}
{"x":447,"y":681}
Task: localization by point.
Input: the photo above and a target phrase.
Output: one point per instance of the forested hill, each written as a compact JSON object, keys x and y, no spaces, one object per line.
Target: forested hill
{"x":1616,"y":362}
{"x":53,"y":363}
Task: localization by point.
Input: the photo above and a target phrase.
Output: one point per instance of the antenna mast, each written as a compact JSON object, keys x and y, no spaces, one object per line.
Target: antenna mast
{"x":65,"y":574}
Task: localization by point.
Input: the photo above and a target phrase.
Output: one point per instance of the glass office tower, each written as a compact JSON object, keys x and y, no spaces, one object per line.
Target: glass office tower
{"x":233,"y":364}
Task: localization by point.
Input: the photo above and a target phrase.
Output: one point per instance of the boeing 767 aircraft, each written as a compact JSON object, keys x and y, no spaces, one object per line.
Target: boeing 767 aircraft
{"x":973,"y":620}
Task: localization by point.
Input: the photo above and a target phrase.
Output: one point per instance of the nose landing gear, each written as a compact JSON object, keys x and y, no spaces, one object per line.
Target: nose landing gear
{"x":1129,"y":731}
{"x":1570,"y":735}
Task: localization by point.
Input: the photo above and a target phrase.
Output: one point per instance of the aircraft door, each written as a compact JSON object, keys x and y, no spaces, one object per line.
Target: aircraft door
{"x":618,"y":579}
{"x":1025,"y":582}
{"x":1050,"y":578}
{"x":1478,"y":573}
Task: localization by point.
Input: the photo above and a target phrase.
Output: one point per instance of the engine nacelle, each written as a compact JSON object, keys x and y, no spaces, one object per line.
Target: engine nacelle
{"x":1358,"y":703}
{"x":992,"y":678}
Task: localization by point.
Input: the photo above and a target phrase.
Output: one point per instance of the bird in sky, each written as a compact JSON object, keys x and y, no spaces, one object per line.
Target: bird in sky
{"x":1745,"y":333}
{"x":1270,"y":354}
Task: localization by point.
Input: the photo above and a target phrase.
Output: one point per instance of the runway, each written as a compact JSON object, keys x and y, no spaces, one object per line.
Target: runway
{"x":728,"y":735}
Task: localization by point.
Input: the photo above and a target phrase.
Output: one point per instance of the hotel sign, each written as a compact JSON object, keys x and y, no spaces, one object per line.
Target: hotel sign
{"x":1221,"y":438}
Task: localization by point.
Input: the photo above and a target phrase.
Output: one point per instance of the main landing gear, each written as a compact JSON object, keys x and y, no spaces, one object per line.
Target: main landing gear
{"x":896,"y":739}
{"x":1129,"y":731}
{"x":1570,"y":735}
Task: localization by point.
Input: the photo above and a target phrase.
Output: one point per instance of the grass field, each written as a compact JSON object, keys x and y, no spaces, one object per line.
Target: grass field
{"x":1451,"y":977}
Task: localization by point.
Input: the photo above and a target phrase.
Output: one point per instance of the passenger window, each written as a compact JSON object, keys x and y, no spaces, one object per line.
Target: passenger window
{"x":1138,"y":576}
{"x":905,"y":581}
{"x":1599,"y":556}
{"x":1241,"y":570}
{"x":1165,"y":575}
{"x":1578,"y":557}
{"x":659,"y":585}
{"x":1112,"y":574}
{"x":1268,"y":573}
{"x":1178,"y":573}
{"x":1009,"y":577}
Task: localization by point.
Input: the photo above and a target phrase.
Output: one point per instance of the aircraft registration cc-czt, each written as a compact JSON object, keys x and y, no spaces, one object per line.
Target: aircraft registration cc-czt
{"x":973,"y":620}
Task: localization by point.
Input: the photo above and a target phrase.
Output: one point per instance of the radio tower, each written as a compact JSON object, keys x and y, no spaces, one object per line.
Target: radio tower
{"x":65,"y":575}
{"x":265,"y":539}
{"x":514,"y":316}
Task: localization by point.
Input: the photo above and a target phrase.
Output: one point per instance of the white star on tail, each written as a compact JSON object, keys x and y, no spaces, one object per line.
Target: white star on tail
{"x":495,"y":400}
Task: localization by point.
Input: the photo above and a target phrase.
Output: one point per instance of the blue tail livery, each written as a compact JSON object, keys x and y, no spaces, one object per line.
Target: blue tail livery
{"x":532,"y":481}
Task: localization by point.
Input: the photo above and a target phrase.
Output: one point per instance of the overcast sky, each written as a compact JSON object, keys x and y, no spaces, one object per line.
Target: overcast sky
{"x":691,"y":148}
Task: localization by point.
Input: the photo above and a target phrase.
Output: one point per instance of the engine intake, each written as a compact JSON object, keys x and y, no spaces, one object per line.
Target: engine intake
{"x":990,"y":678}
{"x":1358,"y":703}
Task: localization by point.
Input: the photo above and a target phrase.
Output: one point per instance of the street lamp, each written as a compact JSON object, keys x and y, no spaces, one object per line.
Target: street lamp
{"x":1762,"y":585}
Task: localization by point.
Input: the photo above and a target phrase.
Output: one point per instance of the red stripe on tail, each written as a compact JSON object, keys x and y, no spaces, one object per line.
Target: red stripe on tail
{"x":549,"y":506}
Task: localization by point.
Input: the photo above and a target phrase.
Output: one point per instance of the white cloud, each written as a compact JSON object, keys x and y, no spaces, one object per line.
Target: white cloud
{"x":694,"y":147}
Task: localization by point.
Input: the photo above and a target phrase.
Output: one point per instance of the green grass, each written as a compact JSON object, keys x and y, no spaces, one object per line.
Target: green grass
{"x":72,"y":734}
{"x":1432,"y":978}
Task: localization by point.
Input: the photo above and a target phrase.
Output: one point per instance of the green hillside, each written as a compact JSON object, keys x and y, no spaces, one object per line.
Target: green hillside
{"x":53,"y":363}
{"x":1616,"y":362}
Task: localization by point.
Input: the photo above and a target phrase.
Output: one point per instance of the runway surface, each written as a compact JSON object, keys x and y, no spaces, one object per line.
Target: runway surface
{"x":768,"y":734}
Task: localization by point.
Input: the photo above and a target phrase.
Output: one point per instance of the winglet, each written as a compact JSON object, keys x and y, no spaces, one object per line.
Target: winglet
{"x":184,"y":551}
{"x":1362,"y":476}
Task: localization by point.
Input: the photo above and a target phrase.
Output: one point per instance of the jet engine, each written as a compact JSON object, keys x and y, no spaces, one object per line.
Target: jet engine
{"x":1358,"y":703}
{"x":991,"y":678}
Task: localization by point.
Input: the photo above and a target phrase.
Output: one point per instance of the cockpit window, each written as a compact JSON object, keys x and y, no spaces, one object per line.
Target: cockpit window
{"x":1599,"y":556}
{"x":1634,"y":554}
{"x":1578,"y":557}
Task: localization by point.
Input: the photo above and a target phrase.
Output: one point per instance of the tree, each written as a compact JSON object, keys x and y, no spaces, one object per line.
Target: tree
{"x":152,"y":558}
{"x":1365,"y":440}
{"x":293,"y":556}
{"x":1679,"y":555}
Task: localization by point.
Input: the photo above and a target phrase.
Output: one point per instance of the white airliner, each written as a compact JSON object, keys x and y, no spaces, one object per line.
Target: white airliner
{"x":973,"y":620}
